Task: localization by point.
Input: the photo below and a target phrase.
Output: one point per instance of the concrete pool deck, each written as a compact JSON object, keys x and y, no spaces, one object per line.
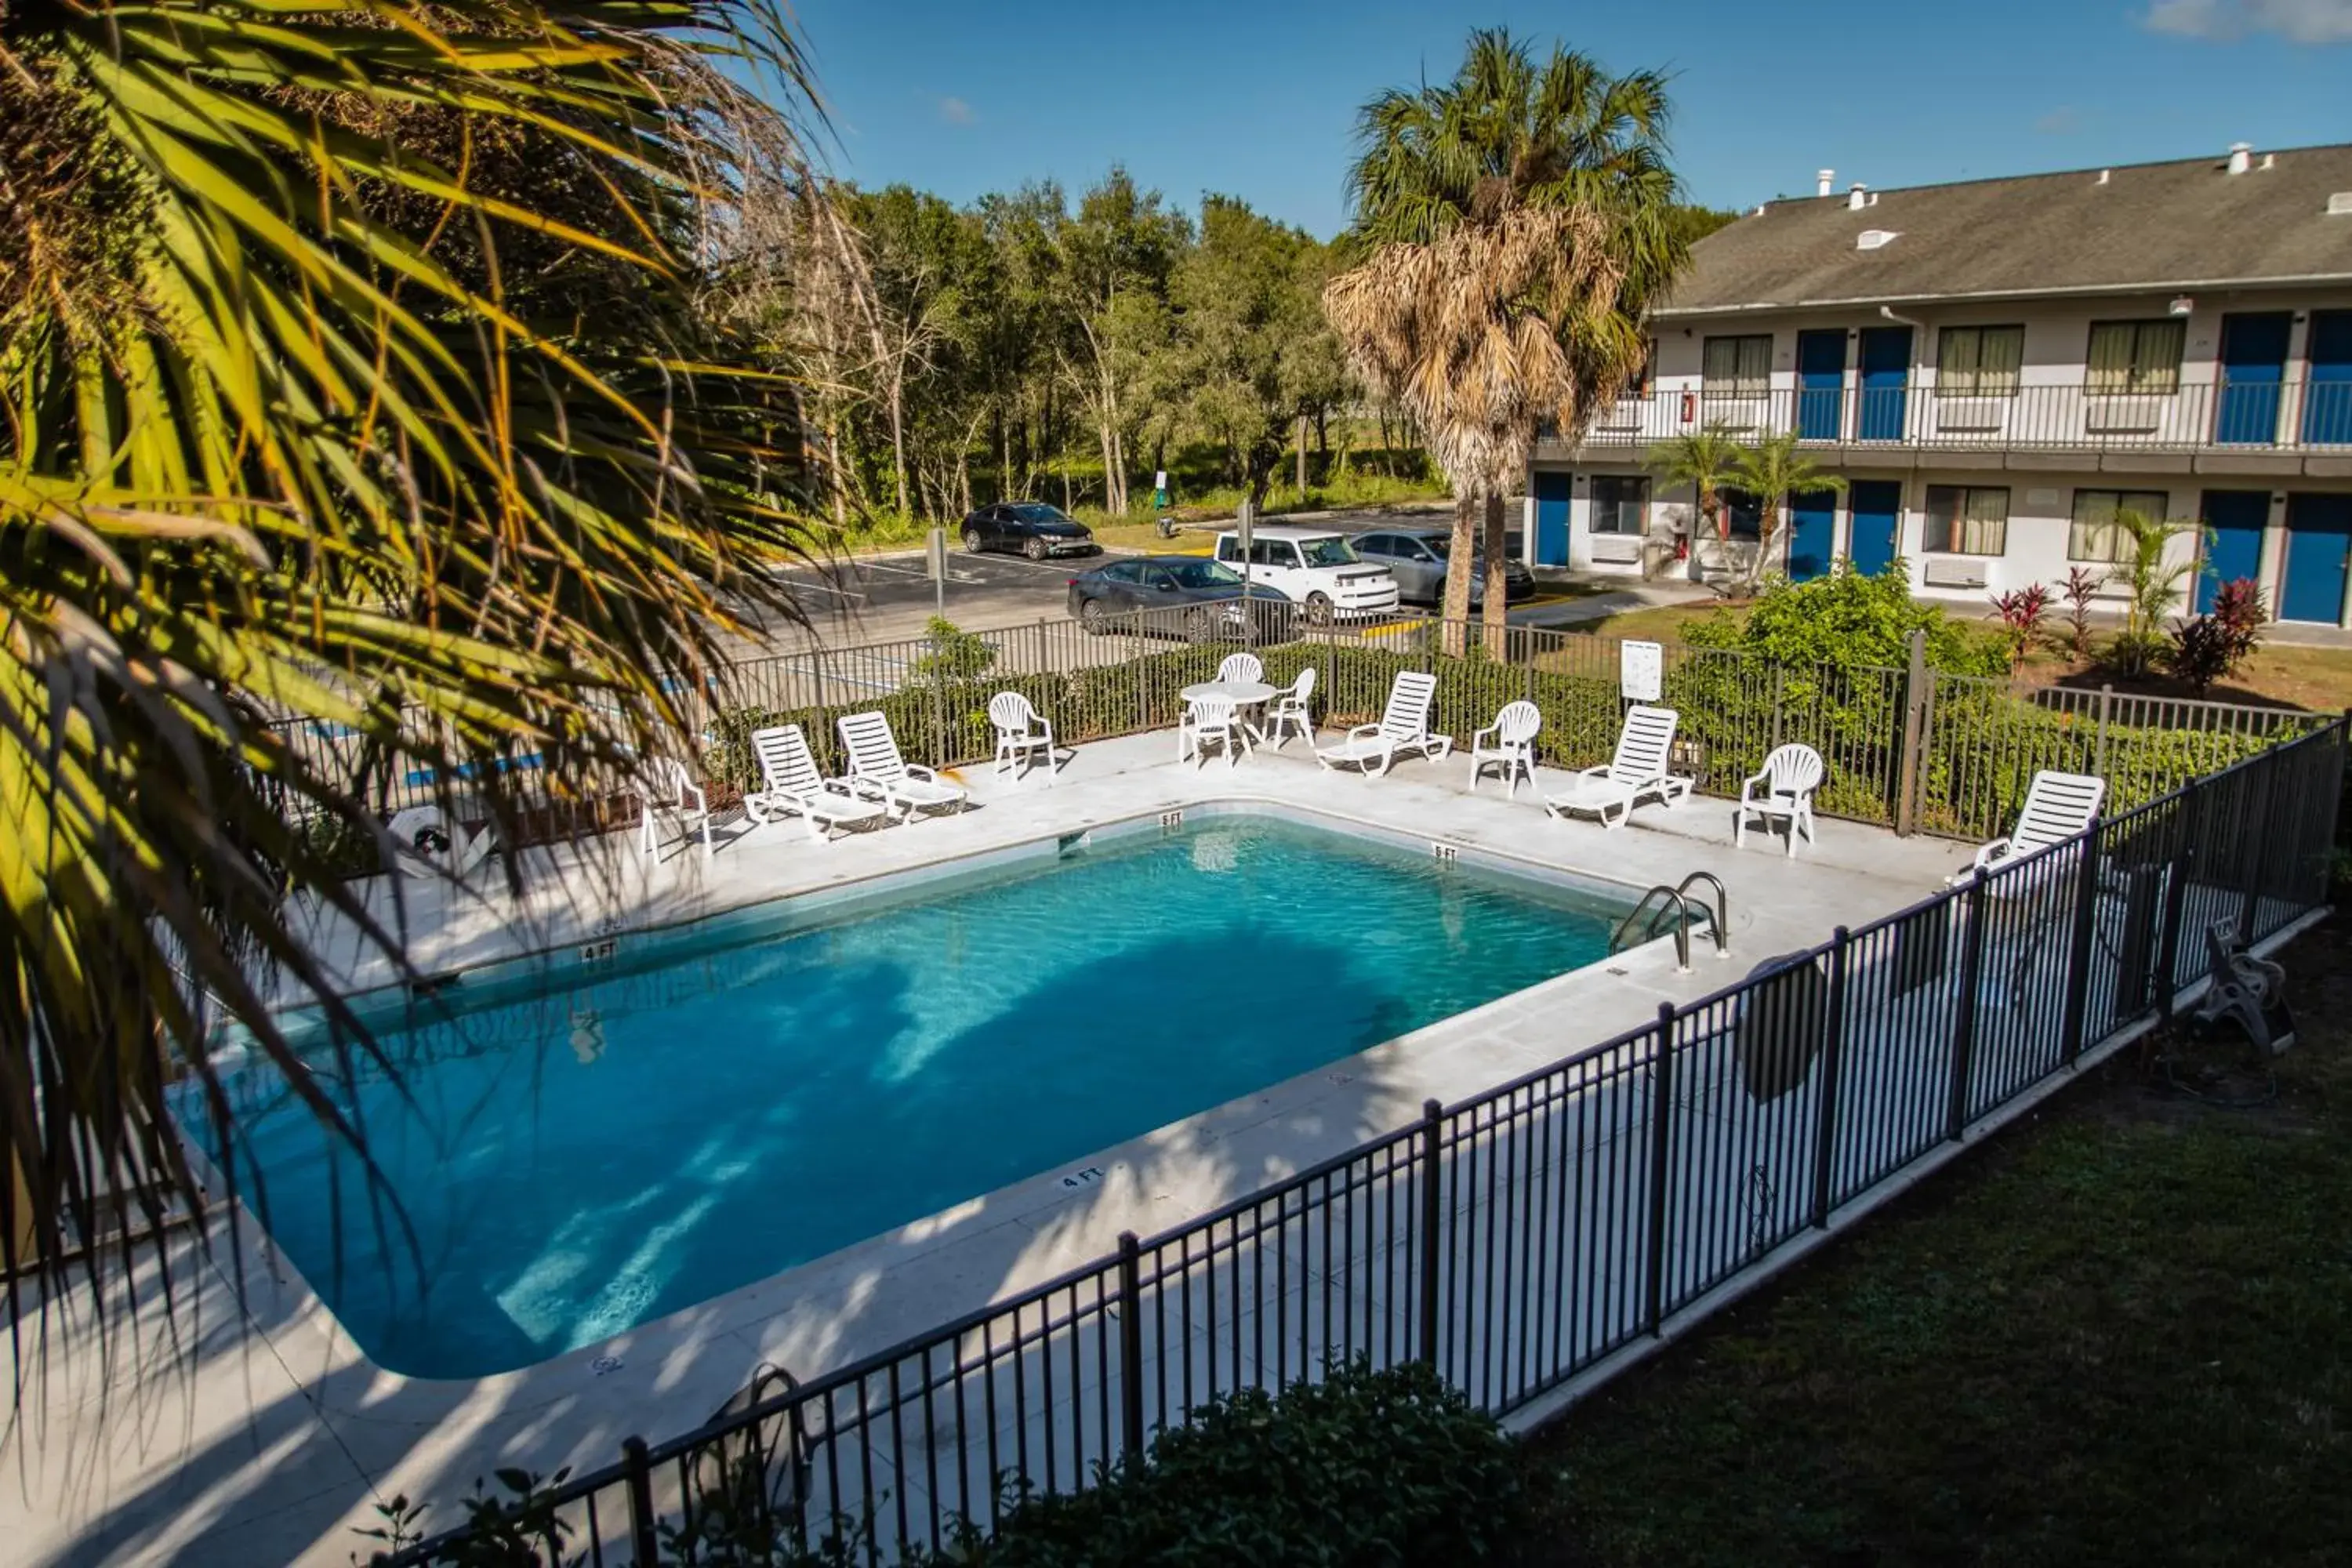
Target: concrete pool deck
{"x":269,"y":1437}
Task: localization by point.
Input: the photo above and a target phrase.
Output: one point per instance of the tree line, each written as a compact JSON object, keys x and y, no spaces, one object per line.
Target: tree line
{"x":1027,"y":343}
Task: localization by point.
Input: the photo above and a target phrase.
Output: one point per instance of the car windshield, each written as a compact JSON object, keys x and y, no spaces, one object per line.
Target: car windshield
{"x":1035,"y":511}
{"x":1329,"y":550}
{"x":1203,"y":575}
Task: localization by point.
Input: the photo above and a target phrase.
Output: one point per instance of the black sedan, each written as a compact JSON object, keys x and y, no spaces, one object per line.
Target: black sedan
{"x":1032,"y":526}
{"x":1185,"y":595}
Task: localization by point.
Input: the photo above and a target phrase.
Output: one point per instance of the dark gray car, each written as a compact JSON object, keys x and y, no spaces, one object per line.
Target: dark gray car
{"x":1184,"y":595}
{"x":1032,"y":526}
{"x":1416,"y":557}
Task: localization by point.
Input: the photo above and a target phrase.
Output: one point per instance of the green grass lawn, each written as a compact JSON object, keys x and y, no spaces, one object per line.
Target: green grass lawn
{"x":2121,"y":1335}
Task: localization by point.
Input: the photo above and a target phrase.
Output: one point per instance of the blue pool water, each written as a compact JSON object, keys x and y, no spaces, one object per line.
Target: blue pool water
{"x":580,"y":1149}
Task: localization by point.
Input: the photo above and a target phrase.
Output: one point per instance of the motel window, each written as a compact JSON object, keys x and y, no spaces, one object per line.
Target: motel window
{"x":2128,"y":358}
{"x":1637,"y":384}
{"x":1745,"y":511}
{"x":2094,"y":535}
{"x":1739,"y":367}
{"x":1966,"y":519}
{"x":1620,"y":503}
{"x":1980,"y":361}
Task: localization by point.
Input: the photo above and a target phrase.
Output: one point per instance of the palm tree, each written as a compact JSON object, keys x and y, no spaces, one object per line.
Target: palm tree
{"x":361,"y":378}
{"x":1772,"y":470}
{"x":2153,"y":584}
{"x":1510,"y":135}
{"x":1707,"y":459}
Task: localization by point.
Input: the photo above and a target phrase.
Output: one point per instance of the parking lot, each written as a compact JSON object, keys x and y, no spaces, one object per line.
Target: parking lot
{"x":882,"y":598}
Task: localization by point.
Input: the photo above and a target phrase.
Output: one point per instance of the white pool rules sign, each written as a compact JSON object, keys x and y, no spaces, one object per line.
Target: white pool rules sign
{"x":1642,"y":671}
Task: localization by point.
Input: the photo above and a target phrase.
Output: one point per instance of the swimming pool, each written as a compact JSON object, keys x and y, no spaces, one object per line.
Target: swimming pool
{"x":582,"y":1145}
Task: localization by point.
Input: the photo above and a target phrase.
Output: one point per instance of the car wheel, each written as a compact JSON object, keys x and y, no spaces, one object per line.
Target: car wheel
{"x":1034,"y":550}
{"x":1200,"y":626}
{"x":1319,"y":609}
{"x":972,"y":542}
{"x":1090,"y":616}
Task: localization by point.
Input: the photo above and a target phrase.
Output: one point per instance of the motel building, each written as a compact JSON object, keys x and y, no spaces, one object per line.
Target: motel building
{"x":1995,"y":367}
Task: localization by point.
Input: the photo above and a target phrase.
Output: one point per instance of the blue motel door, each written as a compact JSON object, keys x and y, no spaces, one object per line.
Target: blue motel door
{"x":1876,"y":510}
{"x":1552,"y":491}
{"x":2233,"y":549}
{"x":1820,"y":385}
{"x":1885,"y":380}
{"x":2253,"y":375}
{"x":1812,"y":535}
{"x":2318,"y":549}
{"x":2327,"y":390}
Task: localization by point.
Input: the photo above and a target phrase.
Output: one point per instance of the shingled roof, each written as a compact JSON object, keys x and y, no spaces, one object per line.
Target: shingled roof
{"x":2151,"y":226}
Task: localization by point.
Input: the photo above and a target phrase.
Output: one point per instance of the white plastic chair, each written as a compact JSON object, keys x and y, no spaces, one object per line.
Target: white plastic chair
{"x":1510,"y":740}
{"x":876,"y":769}
{"x":1208,"y":719}
{"x":1241,"y":669}
{"x":1783,"y":790}
{"x":429,"y":842}
{"x":2057,"y":808}
{"x":670,"y":787}
{"x":1638,"y":772}
{"x":790,"y":782}
{"x":1021,"y":731}
{"x":1403,"y":727}
{"x":1292,"y":710}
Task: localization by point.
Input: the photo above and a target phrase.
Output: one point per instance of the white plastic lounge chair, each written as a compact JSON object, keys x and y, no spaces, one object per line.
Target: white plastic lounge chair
{"x":1021,"y":731}
{"x":1784,"y":790}
{"x":428,"y":842}
{"x":1510,"y":740}
{"x":1292,"y":710}
{"x":1403,"y":727}
{"x":877,"y":768}
{"x":1241,"y":669}
{"x":669,"y":787}
{"x":1638,"y":772}
{"x":2057,"y":808}
{"x":791,"y":782}
{"x":1208,"y":720}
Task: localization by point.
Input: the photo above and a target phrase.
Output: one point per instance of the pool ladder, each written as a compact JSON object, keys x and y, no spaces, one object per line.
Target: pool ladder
{"x":1663,"y":902}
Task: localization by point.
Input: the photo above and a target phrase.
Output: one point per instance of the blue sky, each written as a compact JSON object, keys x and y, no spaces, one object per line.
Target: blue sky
{"x":1258,"y":100}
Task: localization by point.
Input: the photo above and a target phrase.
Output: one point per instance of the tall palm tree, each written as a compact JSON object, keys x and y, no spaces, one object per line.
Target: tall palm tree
{"x":1707,"y":459}
{"x":1511,"y":133}
{"x":1772,"y":470}
{"x":361,"y":379}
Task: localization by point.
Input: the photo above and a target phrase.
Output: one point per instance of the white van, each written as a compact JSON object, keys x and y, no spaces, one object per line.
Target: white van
{"x":1316,"y":568}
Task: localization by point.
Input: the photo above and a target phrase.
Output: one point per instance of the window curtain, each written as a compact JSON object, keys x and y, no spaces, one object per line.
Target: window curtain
{"x":2159,"y":365}
{"x":2000,"y":358}
{"x":1984,"y":523}
{"x":2111,"y":358}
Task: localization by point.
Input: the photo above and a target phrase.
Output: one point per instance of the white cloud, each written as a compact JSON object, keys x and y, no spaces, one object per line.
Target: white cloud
{"x":2297,"y":21}
{"x":956,"y":111}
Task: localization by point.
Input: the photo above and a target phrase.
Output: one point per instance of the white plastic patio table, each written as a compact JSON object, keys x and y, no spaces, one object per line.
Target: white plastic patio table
{"x":1245,"y":694}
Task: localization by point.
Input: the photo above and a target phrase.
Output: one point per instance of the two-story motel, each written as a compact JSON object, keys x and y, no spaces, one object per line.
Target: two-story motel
{"x":1996,"y":367}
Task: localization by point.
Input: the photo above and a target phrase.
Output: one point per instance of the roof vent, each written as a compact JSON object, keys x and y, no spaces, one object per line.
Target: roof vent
{"x":2270,"y":160}
{"x":2241,"y":157}
{"x":2341,"y":205}
{"x":1857,"y":197}
{"x":2104,"y":174}
{"x":1873,"y":238}
{"x":1824,"y":180}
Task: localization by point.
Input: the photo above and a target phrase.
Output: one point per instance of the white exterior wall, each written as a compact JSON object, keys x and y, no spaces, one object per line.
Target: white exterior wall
{"x":1986,"y":433}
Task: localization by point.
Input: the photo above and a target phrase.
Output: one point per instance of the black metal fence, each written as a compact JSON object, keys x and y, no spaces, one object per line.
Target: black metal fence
{"x":1909,"y":748}
{"x":1521,"y":1238}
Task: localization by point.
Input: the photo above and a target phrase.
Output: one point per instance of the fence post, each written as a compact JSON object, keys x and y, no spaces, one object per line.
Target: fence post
{"x":1661,"y":1122}
{"x":1135,"y":662}
{"x":1780,"y":679}
{"x":2252,"y":845}
{"x":2099,"y":746}
{"x":1964,"y":1025}
{"x":2175,"y":896}
{"x":2078,"y":946}
{"x":1433,"y":1215}
{"x":1915,"y":714}
{"x":1131,"y":1347}
{"x":1833,"y":1064}
{"x":643,"y":1540}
